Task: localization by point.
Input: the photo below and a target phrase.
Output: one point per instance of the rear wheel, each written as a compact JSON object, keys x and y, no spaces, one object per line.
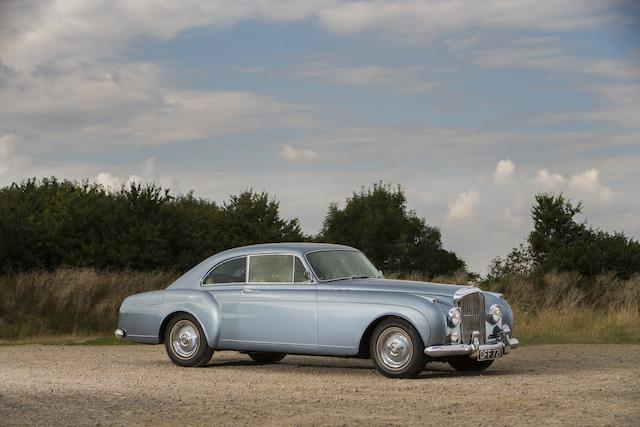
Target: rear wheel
{"x":397,"y":349}
{"x":466,"y":364}
{"x":185,"y":341}
{"x":262,"y":357}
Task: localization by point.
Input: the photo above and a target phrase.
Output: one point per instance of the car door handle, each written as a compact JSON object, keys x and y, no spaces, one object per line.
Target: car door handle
{"x":250,"y":291}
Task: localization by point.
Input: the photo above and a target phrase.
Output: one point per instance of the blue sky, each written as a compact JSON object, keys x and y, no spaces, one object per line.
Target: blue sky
{"x":472,"y":106}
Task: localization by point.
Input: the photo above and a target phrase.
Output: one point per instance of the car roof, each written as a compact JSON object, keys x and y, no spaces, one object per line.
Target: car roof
{"x":193,"y":277}
{"x":299,"y":248}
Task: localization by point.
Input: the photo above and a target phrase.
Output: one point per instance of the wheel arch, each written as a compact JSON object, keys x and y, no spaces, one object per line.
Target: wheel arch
{"x":167,"y":319}
{"x":201,"y":305}
{"x":363,"y":347}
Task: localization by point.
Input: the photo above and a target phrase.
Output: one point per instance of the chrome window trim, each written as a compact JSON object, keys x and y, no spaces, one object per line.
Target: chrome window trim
{"x":219,"y":264}
{"x":304,"y":262}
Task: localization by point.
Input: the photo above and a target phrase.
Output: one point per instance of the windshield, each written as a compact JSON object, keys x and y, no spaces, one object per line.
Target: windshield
{"x":334,"y":265}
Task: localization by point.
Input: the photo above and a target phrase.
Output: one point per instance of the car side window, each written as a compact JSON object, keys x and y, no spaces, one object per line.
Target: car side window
{"x":232,"y":271}
{"x":271,"y":268}
{"x":298,"y":271}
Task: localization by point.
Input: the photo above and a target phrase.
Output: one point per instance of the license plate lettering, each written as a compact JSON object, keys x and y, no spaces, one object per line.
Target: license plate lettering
{"x":489,"y":354}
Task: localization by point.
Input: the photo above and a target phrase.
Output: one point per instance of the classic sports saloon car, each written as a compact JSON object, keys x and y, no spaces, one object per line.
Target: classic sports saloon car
{"x":318,"y":299}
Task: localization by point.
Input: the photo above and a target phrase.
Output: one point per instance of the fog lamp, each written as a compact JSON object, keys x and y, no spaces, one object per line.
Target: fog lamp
{"x":453,"y":336}
{"x":455,"y":316}
{"x":495,"y":313}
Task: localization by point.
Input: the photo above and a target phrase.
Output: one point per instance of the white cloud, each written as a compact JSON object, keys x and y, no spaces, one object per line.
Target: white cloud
{"x":515,"y":220}
{"x":114,"y":183}
{"x":13,"y":161}
{"x":72,"y":31}
{"x":34,"y":34}
{"x":107,"y":105}
{"x":584,"y":185}
{"x":547,"y":181}
{"x":504,"y":171}
{"x":417,"y":20}
{"x":109,"y":181}
{"x":588,"y":184}
{"x":611,"y":83}
{"x":149,"y":174}
{"x":290,"y":153}
{"x":405,"y":80}
{"x":617,"y":104}
{"x":548,"y":54}
{"x":7,"y":152}
{"x":464,"y":206}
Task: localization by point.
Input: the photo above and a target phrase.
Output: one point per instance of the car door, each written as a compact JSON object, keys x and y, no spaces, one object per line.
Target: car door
{"x":225,"y":282}
{"x":277,"y":308}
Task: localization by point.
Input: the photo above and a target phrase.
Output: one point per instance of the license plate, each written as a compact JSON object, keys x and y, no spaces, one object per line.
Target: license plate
{"x":490,"y":354}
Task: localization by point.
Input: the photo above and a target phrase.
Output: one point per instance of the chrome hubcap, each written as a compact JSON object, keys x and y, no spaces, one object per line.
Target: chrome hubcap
{"x":394,"y":348}
{"x":185,"y":339}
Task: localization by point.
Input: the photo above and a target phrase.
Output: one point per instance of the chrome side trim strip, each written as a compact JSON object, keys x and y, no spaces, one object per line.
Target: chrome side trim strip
{"x":286,"y":344}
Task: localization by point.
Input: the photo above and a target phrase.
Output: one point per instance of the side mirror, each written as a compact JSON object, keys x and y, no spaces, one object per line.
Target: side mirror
{"x":380,"y":275}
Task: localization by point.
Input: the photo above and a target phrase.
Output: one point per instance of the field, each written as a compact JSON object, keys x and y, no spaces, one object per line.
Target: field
{"x":573,"y":384}
{"x":74,"y":305}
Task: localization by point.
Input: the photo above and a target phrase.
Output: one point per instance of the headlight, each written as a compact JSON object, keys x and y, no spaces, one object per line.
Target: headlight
{"x":495,"y":313}
{"x":455,"y":316}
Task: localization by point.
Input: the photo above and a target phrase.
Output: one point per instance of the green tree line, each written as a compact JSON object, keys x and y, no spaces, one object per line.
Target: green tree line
{"x":51,"y":223}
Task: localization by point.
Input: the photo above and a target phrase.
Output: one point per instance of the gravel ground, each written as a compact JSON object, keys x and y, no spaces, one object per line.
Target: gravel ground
{"x":124,"y":385}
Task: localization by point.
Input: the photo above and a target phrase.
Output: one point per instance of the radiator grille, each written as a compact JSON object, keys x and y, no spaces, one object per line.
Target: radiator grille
{"x":472,"y":307}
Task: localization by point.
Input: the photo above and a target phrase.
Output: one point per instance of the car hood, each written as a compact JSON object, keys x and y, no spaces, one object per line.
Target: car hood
{"x":390,"y":285}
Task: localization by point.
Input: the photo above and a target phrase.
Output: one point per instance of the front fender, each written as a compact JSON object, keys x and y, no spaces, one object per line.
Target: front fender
{"x":423,"y":313}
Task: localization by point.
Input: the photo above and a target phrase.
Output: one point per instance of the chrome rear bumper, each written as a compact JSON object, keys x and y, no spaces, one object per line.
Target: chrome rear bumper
{"x":504,"y":342}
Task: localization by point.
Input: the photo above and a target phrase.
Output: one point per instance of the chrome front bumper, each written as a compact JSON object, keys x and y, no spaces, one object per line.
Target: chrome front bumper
{"x":505,"y":342}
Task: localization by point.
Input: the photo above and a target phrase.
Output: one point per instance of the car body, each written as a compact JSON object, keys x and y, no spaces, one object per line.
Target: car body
{"x":274,"y":299}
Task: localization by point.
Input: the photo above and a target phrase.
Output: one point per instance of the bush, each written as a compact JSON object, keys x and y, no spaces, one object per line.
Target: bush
{"x":50,"y":224}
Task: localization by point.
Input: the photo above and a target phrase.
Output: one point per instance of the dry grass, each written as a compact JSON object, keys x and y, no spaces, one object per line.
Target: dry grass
{"x":561,"y":310}
{"x":72,"y":302}
{"x":76,"y":305}
{"x":565,"y":307}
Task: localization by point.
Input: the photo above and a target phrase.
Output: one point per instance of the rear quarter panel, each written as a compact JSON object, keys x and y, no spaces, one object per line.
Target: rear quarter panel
{"x":142,"y":316}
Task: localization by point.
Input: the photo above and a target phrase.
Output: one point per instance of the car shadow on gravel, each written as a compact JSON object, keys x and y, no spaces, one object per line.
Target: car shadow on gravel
{"x":285,"y":365}
{"x":359,"y":366}
{"x":429,"y":373}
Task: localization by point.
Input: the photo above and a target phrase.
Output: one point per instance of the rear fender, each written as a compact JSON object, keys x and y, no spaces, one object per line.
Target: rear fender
{"x":200,"y":304}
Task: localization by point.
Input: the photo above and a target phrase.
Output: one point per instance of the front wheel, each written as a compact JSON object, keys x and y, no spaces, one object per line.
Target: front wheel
{"x":466,"y":364}
{"x":262,"y":357}
{"x":397,"y":349}
{"x":185,"y":342}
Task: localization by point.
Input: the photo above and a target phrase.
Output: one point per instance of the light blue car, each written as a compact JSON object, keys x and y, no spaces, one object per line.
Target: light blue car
{"x":318,"y":299}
